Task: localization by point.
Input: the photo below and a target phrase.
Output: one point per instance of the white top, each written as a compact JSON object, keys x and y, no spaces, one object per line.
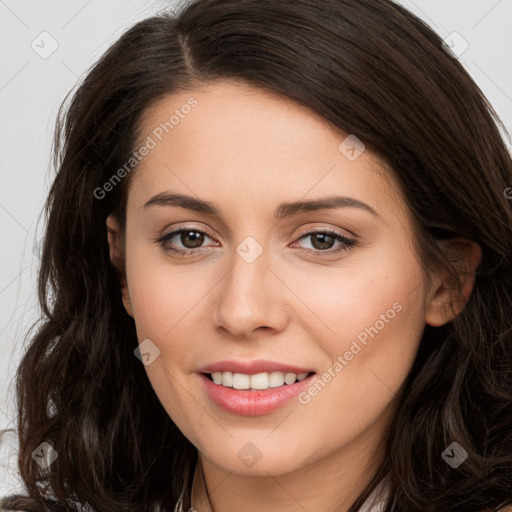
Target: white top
{"x":376,"y":502}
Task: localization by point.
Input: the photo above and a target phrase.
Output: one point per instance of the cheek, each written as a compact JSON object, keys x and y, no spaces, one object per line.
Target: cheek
{"x":164,"y":299}
{"x":367,"y":362}
{"x":372,"y":320}
{"x":163,"y":295}
{"x":365,"y":298}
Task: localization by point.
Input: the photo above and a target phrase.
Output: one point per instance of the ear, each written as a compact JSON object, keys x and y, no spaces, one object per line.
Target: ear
{"x":115,"y":243}
{"x":449,"y":298}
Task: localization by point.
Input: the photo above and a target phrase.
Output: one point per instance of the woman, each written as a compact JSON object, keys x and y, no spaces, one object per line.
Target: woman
{"x":277,"y":273}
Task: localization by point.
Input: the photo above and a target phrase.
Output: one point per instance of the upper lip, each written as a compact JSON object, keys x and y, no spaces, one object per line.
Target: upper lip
{"x":252,"y":367}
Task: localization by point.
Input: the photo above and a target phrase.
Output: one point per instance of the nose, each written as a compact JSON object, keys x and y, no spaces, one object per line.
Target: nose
{"x":250,"y":298}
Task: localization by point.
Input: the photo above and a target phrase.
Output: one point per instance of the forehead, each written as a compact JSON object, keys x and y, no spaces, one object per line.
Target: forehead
{"x":237,"y":140}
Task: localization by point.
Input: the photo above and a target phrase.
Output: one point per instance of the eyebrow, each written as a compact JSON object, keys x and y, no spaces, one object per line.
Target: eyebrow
{"x":282,"y":211}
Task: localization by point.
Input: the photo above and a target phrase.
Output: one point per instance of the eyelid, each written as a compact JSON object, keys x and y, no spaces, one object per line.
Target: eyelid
{"x":188,"y":227}
{"x":325,"y":229}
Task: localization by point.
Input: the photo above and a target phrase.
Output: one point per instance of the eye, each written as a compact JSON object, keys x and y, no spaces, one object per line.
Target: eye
{"x":323,"y":241}
{"x":191,"y":240}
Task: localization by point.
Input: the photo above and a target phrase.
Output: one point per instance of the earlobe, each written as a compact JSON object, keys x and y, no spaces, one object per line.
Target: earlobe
{"x":117,"y":259}
{"x":450,"y":298}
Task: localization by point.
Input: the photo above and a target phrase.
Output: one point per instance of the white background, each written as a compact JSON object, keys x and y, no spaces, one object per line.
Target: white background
{"x":32,"y":88}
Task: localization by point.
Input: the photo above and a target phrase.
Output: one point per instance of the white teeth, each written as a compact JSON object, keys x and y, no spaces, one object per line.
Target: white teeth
{"x":227,"y":379}
{"x":290,"y":378}
{"x":241,"y":381}
{"x":259,"y":381}
{"x":276,"y":379}
{"x":263,"y":380}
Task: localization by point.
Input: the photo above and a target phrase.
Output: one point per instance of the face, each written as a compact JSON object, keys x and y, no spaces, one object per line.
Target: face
{"x":251,"y":275}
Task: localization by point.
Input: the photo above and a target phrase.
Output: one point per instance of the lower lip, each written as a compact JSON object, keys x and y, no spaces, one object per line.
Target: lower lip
{"x":246,"y":402}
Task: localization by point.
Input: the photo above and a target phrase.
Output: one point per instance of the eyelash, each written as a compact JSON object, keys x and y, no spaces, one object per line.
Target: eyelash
{"x":347,"y":243}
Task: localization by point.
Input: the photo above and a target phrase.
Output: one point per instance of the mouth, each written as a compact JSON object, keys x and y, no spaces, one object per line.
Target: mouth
{"x":254,"y":394}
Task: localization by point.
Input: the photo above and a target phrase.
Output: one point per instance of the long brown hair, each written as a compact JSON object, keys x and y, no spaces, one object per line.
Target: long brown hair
{"x":370,"y":68}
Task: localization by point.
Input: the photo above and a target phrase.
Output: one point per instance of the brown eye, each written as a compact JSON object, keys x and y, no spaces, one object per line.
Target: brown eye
{"x":183,"y":241}
{"x":196,"y":239}
{"x":324,"y":241}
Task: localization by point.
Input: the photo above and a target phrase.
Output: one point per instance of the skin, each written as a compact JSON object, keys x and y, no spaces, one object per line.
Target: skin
{"x":248,"y":151}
